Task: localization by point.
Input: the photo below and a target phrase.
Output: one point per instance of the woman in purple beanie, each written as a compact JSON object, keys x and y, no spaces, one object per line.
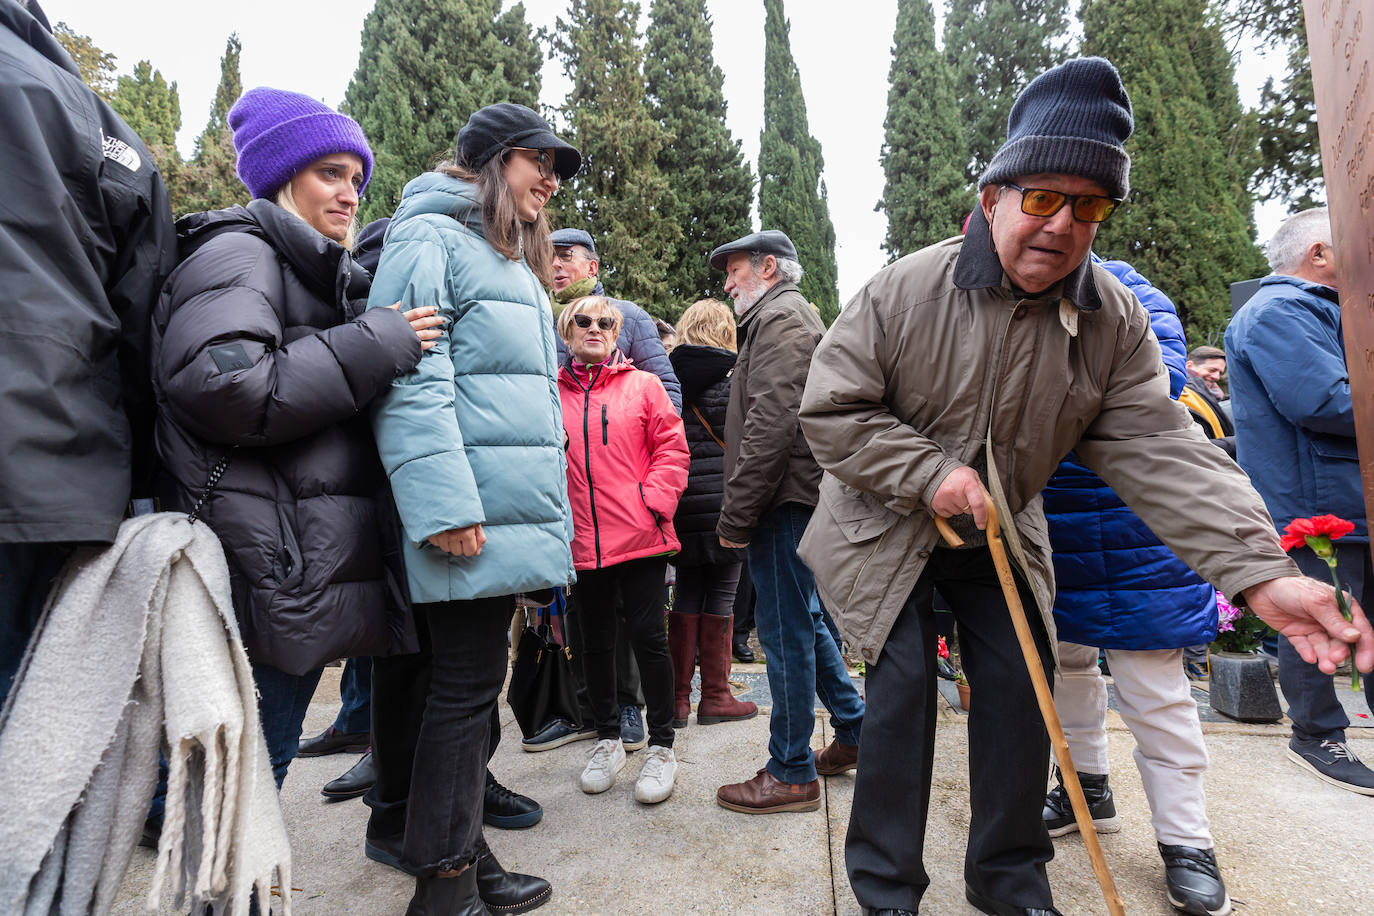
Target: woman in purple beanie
{"x":264,"y":361}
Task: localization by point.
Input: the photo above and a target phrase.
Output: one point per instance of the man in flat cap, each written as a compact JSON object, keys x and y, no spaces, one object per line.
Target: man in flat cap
{"x":770,"y":491}
{"x":979,"y":363}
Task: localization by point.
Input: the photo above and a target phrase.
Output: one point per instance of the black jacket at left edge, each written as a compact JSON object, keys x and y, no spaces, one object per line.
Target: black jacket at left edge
{"x":86,"y":239}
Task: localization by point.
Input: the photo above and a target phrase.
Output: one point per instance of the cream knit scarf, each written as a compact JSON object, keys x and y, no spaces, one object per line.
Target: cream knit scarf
{"x":138,"y":651}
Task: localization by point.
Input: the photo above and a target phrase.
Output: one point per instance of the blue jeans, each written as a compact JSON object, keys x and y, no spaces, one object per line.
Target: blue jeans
{"x":1312,"y":705}
{"x":355,"y":696}
{"x":803,"y":658}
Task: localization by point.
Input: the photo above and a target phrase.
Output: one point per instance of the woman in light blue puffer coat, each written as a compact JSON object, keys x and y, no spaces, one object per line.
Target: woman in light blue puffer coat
{"x":472,"y":441}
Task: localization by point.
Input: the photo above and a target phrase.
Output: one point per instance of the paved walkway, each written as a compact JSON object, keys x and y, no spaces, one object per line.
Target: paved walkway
{"x":1288,"y":843}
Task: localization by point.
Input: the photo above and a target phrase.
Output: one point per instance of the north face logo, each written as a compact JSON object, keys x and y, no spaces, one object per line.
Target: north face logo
{"x":120,"y":152}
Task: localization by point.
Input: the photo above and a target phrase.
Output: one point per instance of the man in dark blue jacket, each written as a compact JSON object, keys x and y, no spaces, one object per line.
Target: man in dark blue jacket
{"x":1295,"y":437}
{"x":86,"y":240}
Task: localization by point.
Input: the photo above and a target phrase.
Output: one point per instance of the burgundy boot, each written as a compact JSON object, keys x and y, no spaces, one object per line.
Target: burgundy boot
{"x":718,"y":704}
{"x":682,"y":648}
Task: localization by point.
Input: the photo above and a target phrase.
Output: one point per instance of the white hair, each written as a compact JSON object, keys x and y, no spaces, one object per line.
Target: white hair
{"x":789,"y":269}
{"x":1287,"y":250}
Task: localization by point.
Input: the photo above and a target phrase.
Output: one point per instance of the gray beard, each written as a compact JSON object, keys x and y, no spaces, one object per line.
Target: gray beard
{"x":749,"y":298}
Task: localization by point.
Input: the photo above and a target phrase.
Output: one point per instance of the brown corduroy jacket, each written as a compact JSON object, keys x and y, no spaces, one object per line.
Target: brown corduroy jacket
{"x":935,"y":351}
{"x":767,"y":461}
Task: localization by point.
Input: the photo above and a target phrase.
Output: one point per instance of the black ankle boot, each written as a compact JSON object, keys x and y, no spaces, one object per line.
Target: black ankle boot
{"x":1058,"y":811}
{"x":435,"y":896}
{"x":507,"y":891}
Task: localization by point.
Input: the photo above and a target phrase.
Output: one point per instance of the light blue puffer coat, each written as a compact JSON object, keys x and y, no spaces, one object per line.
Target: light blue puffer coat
{"x":474,"y":433}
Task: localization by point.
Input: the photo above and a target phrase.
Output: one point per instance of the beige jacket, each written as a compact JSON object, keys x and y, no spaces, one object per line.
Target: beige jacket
{"x":933,"y":352}
{"x":766,"y":457}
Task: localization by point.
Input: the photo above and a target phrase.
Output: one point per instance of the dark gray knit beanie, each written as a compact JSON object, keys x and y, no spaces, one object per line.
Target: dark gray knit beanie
{"x":1073,"y":119}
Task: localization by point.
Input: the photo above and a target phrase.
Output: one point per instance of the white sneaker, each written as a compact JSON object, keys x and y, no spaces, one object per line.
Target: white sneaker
{"x":608,"y":757}
{"x":655,"y":781}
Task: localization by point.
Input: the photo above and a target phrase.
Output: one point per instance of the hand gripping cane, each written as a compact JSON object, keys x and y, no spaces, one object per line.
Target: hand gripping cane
{"x":1046,"y":700}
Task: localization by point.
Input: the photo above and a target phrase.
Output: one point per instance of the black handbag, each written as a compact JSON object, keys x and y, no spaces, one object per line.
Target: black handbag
{"x":541,"y":680}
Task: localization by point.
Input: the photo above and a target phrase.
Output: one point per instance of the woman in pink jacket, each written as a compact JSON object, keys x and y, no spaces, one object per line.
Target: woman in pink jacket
{"x":627,"y":466}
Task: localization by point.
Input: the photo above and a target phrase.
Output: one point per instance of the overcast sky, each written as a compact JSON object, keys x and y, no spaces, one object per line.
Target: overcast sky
{"x":842,"y":51}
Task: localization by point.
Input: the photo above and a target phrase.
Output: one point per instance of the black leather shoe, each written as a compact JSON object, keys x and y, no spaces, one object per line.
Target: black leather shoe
{"x":353,"y":783}
{"x":458,"y":896}
{"x":508,"y":810}
{"x":507,"y":891}
{"x":1194,"y":881}
{"x":739,"y":648}
{"x":986,"y":904}
{"x":332,"y":741}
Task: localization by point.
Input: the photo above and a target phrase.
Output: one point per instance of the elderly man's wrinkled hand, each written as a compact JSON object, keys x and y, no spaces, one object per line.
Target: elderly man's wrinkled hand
{"x":961,"y":493}
{"x":1305,"y":611}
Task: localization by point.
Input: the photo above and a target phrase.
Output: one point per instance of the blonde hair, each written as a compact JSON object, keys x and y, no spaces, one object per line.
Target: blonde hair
{"x":502,"y":226}
{"x":592,"y":306}
{"x":287,"y":201}
{"x":708,"y":323}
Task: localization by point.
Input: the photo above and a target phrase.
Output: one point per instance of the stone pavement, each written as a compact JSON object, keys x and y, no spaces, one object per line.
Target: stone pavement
{"x":1287,"y":842}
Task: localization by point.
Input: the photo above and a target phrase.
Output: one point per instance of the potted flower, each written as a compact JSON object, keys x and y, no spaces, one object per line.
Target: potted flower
{"x":1239,"y":685}
{"x":956,"y":674}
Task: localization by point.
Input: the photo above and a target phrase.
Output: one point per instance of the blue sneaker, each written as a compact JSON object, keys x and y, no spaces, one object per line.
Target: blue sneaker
{"x":632,"y":728}
{"x":556,"y":734}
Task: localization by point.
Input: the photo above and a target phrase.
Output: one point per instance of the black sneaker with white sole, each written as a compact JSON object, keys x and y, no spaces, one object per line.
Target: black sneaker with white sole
{"x":1333,"y":761}
{"x":1194,"y":881}
{"x":1058,"y":811}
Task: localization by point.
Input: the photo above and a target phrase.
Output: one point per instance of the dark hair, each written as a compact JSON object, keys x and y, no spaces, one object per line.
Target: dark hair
{"x":501,"y":223}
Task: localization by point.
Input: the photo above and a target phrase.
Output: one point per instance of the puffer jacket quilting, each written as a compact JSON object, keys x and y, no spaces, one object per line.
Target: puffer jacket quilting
{"x":709,"y":369}
{"x":261,"y":354}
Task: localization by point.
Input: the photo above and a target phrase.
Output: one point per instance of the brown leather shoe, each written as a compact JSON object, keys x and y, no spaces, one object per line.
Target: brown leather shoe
{"x":836,"y":758}
{"x":765,"y":795}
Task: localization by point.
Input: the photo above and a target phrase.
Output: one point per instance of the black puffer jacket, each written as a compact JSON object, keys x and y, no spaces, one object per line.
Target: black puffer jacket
{"x":262,"y":352}
{"x":704,"y":373}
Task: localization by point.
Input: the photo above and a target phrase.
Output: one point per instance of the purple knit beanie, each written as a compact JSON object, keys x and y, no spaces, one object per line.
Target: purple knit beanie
{"x":277,"y":133}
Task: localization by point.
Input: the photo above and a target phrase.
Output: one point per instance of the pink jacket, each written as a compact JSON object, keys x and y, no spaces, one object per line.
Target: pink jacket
{"x":627,"y":463}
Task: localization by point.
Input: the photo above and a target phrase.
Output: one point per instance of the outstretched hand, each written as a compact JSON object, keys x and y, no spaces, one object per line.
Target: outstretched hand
{"x":1305,"y":611}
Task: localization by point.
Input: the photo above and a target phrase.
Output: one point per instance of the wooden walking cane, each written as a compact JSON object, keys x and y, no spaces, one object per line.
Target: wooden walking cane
{"x":1115,"y":906}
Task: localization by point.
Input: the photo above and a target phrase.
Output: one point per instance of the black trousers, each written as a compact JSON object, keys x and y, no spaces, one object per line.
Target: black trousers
{"x":1008,"y":747}
{"x":628,"y":689}
{"x":633,"y":591}
{"x":434,"y":727}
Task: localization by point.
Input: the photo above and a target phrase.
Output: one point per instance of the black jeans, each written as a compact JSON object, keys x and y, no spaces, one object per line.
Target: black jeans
{"x":628,"y":689}
{"x":633,"y":591}
{"x":1008,"y":748}
{"x":707,"y":589}
{"x":434,"y":727}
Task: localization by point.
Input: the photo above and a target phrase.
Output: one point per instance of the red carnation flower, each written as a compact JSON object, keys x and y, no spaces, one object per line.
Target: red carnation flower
{"x":1300,"y":529}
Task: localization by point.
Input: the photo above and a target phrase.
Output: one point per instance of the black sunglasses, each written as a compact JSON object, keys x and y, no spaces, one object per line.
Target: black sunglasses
{"x":605,"y":322}
{"x":1087,"y":208}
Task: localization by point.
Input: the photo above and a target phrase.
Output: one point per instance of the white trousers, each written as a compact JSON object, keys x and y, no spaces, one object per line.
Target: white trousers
{"x":1157,"y":705}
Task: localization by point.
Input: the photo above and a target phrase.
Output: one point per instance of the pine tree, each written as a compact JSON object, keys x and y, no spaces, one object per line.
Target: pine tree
{"x":995,"y":48}
{"x":925,"y":196}
{"x":792,"y":194}
{"x":1187,"y":223}
{"x":424,"y":67}
{"x":211,"y":182}
{"x":152,"y":107}
{"x":712,"y":185}
{"x":97,"y":67}
{"x":619,"y":196}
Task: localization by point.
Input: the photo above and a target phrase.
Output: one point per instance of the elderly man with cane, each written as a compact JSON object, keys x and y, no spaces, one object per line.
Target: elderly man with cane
{"x":971,"y":367}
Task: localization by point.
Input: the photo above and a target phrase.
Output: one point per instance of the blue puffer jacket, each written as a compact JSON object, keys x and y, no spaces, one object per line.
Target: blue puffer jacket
{"x":1295,"y":419}
{"x":1118,"y":586}
{"x":475,"y":432}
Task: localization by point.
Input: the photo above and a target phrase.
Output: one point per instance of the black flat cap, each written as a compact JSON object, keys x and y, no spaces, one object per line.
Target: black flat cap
{"x":566,"y":238}
{"x":505,"y":124}
{"x":769,"y":241}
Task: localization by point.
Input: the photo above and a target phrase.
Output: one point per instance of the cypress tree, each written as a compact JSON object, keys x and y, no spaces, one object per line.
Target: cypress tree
{"x":211,"y":180}
{"x":925,"y":196}
{"x":423,"y":67}
{"x":712,"y":185}
{"x":152,"y":107}
{"x":792,"y":194}
{"x":995,"y":48}
{"x":619,"y":196}
{"x":1187,"y":224}
{"x":97,"y":66}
